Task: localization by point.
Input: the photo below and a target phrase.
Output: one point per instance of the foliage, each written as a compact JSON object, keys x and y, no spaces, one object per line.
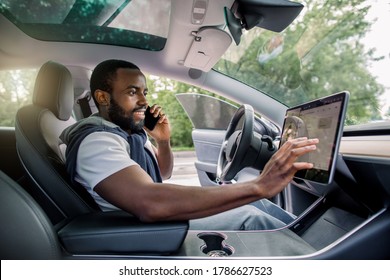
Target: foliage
{"x":318,"y":55}
{"x":16,"y":88}
{"x":163,"y":93}
{"x":161,"y":89}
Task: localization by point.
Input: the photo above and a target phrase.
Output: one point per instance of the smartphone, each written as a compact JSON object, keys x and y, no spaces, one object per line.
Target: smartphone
{"x":150,"y":120}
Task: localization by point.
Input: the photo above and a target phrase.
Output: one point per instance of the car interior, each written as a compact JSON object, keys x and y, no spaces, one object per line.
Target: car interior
{"x":346,"y":219}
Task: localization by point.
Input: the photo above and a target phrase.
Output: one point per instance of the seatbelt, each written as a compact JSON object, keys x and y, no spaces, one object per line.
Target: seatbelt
{"x":84,"y":106}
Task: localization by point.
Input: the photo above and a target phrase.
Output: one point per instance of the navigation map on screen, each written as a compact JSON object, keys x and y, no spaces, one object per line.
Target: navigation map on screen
{"x":322,"y":119}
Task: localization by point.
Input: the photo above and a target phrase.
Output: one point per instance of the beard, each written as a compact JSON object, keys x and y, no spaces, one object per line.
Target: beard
{"x":118,"y":116}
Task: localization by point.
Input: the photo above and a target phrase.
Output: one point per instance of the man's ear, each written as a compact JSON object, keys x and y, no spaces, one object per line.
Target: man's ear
{"x":102,"y":97}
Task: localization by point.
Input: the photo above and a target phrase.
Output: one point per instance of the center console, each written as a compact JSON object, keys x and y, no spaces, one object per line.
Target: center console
{"x":278,"y":243}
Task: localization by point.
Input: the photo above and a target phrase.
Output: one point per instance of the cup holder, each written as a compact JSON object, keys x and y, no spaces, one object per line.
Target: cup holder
{"x":215,"y":245}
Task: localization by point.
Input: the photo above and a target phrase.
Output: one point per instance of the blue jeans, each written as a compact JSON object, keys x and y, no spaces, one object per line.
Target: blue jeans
{"x":259,"y":215}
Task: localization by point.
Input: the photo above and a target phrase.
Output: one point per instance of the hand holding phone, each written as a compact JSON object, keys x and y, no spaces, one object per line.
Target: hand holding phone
{"x":150,"y":120}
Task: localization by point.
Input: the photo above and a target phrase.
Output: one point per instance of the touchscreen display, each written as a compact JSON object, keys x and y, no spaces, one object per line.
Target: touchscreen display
{"x":322,"y":119}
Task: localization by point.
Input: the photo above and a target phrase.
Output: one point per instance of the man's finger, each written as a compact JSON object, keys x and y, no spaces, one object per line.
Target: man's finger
{"x":293,"y":149}
{"x":302,"y":165}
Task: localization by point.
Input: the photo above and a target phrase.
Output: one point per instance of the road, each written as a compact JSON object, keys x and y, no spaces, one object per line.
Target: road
{"x":184,"y":172}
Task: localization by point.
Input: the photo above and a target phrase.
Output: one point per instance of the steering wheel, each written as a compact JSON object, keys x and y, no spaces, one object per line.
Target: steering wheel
{"x":236,"y":144}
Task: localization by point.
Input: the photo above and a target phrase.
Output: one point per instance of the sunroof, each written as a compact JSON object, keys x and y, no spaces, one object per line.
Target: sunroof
{"x":139,"y":24}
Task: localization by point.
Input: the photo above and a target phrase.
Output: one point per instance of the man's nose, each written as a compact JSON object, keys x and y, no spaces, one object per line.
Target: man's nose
{"x":142,"y":100}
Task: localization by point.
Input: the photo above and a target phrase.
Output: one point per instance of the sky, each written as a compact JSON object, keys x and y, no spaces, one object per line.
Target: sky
{"x":378,"y":38}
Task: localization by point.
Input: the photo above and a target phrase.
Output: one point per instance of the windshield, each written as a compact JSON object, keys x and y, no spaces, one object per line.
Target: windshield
{"x":332,"y":46}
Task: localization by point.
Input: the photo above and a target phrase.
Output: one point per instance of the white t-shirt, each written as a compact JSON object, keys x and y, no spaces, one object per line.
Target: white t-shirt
{"x":100,"y":155}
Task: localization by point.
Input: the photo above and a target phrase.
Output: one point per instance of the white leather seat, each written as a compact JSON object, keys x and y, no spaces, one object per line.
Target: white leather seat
{"x":40,"y":150}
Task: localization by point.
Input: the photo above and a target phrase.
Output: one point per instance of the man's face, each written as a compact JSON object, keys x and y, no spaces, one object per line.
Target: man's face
{"x":128,"y":100}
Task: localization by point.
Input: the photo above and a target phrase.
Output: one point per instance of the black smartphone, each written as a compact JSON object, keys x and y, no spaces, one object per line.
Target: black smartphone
{"x":150,"y":120}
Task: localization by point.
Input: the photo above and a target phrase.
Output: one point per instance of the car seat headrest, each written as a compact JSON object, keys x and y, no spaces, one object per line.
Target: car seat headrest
{"x":54,"y":90}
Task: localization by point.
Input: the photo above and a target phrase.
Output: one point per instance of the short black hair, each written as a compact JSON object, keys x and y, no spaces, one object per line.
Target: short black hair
{"x":105,"y":72}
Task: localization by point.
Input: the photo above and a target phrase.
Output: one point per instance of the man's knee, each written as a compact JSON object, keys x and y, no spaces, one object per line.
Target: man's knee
{"x":255,"y":219}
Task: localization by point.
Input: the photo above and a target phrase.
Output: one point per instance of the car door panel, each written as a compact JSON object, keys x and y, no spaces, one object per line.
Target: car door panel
{"x":207,"y":145}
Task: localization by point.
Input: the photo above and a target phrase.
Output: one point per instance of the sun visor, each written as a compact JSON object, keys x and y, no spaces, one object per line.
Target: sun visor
{"x":209,"y":45}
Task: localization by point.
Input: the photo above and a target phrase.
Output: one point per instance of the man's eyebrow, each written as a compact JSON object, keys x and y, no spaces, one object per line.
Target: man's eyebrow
{"x":135,"y":87}
{"x":131,"y":86}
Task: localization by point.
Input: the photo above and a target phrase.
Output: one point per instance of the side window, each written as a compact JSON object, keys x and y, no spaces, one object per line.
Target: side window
{"x":207,"y":112}
{"x":16,"y":87}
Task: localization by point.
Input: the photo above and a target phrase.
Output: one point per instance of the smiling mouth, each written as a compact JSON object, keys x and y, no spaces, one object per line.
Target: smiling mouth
{"x":140,"y":114}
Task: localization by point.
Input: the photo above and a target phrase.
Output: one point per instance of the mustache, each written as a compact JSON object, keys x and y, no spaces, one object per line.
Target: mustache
{"x":139,"y":108}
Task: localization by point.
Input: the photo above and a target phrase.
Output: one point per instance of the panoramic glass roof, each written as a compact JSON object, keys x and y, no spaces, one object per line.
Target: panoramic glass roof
{"x":119,"y":22}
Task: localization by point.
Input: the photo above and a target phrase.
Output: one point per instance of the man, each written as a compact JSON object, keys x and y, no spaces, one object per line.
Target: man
{"x":109,"y":154}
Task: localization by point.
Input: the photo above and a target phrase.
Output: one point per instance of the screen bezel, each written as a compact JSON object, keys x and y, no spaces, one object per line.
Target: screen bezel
{"x":319,"y":175}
